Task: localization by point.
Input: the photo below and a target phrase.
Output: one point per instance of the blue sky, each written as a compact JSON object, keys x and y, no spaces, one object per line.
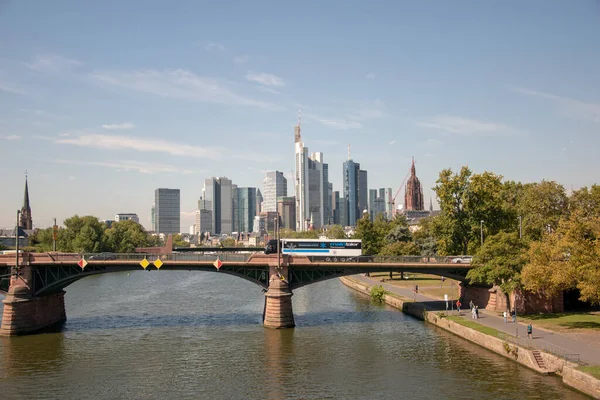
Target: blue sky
{"x":102,"y":102}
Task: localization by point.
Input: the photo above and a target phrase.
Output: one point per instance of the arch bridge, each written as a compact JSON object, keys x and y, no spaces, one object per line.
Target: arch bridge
{"x":34,"y":289}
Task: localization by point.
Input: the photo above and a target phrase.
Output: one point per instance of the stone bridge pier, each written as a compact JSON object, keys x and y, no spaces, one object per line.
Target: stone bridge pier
{"x":278,"y":298}
{"x":24,"y":313}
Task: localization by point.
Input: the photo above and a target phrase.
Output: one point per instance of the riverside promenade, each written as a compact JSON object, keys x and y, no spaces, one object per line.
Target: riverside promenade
{"x":585,"y":348}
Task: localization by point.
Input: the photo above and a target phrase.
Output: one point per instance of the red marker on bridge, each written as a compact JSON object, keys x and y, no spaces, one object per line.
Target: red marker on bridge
{"x":82,"y":263}
{"x":218,"y":264}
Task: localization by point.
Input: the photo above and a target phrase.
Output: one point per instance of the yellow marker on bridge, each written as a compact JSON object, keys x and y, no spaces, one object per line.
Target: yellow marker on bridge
{"x":144,"y":263}
{"x":158,"y":263}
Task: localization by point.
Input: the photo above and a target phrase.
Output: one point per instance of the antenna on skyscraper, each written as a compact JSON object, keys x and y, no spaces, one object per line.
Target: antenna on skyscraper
{"x":299,"y":117}
{"x":349,"y":151}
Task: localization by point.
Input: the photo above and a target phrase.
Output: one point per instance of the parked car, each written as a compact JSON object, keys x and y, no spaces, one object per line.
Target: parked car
{"x":104,"y":256}
{"x":462,"y":260}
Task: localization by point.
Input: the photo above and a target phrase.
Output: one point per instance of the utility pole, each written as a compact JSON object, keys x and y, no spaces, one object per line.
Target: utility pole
{"x":54,"y":233}
{"x":17,"y":245}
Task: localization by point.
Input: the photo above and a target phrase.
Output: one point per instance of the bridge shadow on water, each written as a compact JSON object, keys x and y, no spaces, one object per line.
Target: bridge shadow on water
{"x":310,"y":319}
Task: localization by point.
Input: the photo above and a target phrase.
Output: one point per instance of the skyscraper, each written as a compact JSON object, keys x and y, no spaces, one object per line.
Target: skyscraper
{"x":413,"y":197}
{"x":218,"y":192}
{"x":363,"y":193}
{"x":274,"y":186}
{"x":246,"y":208}
{"x":350,"y":179}
{"x":309,"y":185}
{"x":286,"y":207}
{"x":167,"y":211}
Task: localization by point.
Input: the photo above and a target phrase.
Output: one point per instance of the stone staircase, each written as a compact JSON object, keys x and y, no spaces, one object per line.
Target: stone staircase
{"x":538,"y":359}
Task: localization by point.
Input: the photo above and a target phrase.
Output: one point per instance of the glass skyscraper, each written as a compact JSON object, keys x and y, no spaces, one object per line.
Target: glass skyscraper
{"x":167,"y":208}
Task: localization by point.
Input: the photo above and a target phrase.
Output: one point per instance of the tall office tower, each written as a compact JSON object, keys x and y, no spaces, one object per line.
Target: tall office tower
{"x":315,"y":190}
{"x":235,"y":216}
{"x":274,"y":186}
{"x":153,"y":218}
{"x":372,"y":198}
{"x":363,"y":193}
{"x":259,"y":201}
{"x":167,"y":211}
{"x":379,"y":207}
{"x":286,"y":207}
{"x":413,"y":196}
{"x":246,"y":206}
{"x":329,"y":204}
{"x":388,"y":196}
{"x":342,"y":209}
{"x":203,"y":221}
{"x":327,"y":189}
{"x":335,"y":207}
{"x":219,"y":193}
{"x":350,"y":179}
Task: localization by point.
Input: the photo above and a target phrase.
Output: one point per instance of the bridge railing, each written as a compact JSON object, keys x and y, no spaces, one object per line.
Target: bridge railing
{"x":91,"y":257}
{"x":386,"y":259}
{"x":560,"y":352}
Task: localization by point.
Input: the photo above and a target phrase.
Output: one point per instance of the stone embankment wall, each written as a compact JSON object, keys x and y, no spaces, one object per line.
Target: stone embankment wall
{"x":571,"y":376}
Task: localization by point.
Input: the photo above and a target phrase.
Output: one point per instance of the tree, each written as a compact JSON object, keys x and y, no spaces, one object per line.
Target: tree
{"x":541,"y":206}
{"x":586,"y":201}
{"x":336,"y":232}
{"x":398,"y":230}
{"x":227,"y":242}
{"x":400,"y":249}
{"x":82,"y":234}
{"x":568,"y":258}
{"x":500,"y":261}
{"x":179,"y":242}
{"x":126,"y":236}
{"x":372,"y":241}
{"x":424,"y":237}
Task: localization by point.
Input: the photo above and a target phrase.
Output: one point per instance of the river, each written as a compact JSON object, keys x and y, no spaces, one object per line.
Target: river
{"x":198,"y":335}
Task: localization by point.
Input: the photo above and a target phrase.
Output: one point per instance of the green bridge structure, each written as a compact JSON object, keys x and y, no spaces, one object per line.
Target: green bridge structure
{"x":34,"y":283}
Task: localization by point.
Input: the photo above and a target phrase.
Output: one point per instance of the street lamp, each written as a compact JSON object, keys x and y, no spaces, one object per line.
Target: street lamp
{"x":520,"y":227}
{"x":277,"y":237}
{"x":481,"y":225}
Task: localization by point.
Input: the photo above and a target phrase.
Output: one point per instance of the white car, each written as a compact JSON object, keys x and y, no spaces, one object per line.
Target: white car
{"x":462,"y":260}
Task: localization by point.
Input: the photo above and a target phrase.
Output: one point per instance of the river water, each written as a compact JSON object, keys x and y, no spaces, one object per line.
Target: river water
{"x":198,"y":335}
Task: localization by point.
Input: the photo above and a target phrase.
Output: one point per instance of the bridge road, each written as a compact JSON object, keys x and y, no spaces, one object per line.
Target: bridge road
{"x":586,"y":345}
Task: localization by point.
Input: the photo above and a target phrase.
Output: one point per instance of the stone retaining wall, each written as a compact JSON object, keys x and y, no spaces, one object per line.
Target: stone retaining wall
{"x":571,"y":376}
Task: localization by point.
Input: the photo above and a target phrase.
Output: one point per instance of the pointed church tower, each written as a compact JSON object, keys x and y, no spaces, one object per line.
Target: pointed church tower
{"x":413,"y":197}
{"x":26,"y":221}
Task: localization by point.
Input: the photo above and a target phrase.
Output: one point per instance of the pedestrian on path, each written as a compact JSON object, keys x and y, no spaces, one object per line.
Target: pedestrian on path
{"x":529,"y":331}
{"x":473,"y":313}
{"x":504,"y":314}
{"x":514,"y":315}
{"x":471,"y":304}
{"x":458,"y":306}
{"x":476,"y":312}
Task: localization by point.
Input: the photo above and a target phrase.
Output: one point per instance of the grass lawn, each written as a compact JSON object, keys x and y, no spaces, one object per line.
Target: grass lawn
{"x":429,"y":285}
{"x":474,"y":325}
{"x":593,"y":370}
{"x":566,"y":322}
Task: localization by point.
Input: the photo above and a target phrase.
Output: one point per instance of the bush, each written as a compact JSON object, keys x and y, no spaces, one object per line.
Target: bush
{"x":378,"y":293}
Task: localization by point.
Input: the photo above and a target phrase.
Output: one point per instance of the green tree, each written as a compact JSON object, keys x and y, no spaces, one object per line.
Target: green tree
{"x":398,"y":230}
{"x":586,"y":202}
{"x":541,"y":207}
{"x":126,"y":236}
{"x":372,"y":234}
{"x":179,"y":242}
{"x":499,"y":262}
{"x":400,"y":249}
{"x":425,"y":237}
{"x":82,"y":234}
{"x":336,"y":232}
{"x":227,"y":242}
{"x":568,"y":258}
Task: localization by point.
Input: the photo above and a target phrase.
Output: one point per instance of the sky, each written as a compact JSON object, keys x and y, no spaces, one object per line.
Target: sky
{"x":103,"y":102}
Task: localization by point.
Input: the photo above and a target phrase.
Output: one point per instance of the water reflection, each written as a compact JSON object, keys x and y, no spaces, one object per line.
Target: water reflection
{"x":26,"y":355}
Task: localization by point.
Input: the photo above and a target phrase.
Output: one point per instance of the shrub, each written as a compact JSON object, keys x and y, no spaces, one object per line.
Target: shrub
{"x":378,"y":293}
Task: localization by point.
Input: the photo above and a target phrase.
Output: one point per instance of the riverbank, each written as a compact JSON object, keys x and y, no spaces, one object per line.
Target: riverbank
{"x":525,"y":353}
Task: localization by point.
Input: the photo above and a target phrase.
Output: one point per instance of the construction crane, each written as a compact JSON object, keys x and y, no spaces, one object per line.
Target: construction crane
{"x":392,"y":202}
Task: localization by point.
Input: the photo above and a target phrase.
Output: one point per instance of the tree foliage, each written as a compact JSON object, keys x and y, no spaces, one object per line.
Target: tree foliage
{"x":500,"y":261}
{"x":336,"y":232}
{"x":541,"y":206}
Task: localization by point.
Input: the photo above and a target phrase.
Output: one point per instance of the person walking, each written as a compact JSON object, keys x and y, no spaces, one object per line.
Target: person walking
{"x":514,"y":315}
{"x":476,"y":312}
{"x":529,"y":331}
{"x":458,"y":306}
{"x":471,"y":304}
{"x":504,"y":314}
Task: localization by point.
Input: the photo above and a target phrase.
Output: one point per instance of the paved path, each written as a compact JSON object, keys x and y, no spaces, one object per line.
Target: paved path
{"x":557,"y":343}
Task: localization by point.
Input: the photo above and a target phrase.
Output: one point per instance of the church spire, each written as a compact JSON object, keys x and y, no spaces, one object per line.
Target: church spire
{"x":26,"y":222}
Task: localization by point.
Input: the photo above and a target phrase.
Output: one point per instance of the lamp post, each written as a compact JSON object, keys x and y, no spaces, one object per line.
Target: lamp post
{"x":277,"y":237}
{"x":481,"y":227}
{"x":516,"y":322}
{"x":520,"y":227}
{"x":17,"y":244}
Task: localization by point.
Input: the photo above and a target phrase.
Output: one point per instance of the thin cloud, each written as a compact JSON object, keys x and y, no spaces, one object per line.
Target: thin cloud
{"x":431,"y":143}
{"x":571,"y":107}
{"x":141,"y":144}
{"x":177,"y":84}
{"x":370,"y":76}
{"x":341,"y":124}
{"x":9,"y":87}
{"x":139,"y":166}
{"x":42,"y":114}
{"x":214,"y":47}
{"x":53,"y":63}
{"x":12,"y":137}
{"x":354,"y":117}
{"x":241,"y":59}
{"x":467,"y":127}
{"x":114,"y":127}
{"x":265,"y":79}
{"x":392,"y":142}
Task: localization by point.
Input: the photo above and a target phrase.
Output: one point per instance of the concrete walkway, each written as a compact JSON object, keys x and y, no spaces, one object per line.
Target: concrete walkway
{"x":561,"y":344}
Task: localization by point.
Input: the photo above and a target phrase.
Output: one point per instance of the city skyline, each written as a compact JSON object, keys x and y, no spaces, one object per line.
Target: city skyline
{"x":102,"y":117}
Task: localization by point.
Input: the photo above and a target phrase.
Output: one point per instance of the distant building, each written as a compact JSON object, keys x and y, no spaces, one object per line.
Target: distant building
{"x":25,"y":221}
{"x":127,"y":217}
{"x":219,"y":192}
{"x":245,"y":204}
{"x":413,"y":198}
{"x":167,"y":211}
{"x":286,"y":207}
{"x":356,"y":194}
{"x":203,"y":222}
{"x":153,"y":218}
{"x":274,"y":186}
